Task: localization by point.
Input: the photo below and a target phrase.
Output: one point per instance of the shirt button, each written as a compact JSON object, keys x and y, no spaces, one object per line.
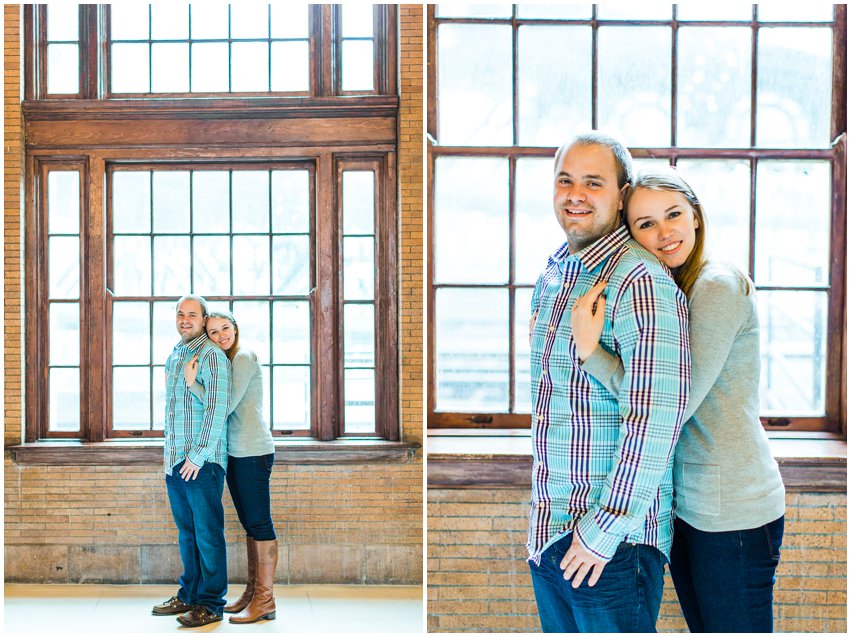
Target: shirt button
{"x":540,"y":419}
{"x":541,"y":505}
{"x":551,"y":328}
{"x":544,"y":373}
{"x":566,"y":285}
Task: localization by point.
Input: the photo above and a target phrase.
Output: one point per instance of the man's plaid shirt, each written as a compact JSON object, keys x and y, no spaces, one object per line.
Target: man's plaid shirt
{"x":603,"y":465}
{"x":194,"y":429}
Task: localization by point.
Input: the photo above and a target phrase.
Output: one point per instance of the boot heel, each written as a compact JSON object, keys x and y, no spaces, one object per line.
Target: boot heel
{"x":270,"y":615}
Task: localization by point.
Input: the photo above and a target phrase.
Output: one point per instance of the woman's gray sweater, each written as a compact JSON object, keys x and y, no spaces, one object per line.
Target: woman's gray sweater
{"x":725,"y":477}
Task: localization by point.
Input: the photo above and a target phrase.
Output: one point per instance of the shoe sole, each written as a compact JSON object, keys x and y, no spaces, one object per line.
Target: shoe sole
{"x":169,"y":613}
{"x":266,"y":616}
{"x":212,"y":621}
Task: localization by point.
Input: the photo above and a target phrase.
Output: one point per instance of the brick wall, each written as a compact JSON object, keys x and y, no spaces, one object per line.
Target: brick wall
{"x":338,"y":523}
{"x":478,"y":578}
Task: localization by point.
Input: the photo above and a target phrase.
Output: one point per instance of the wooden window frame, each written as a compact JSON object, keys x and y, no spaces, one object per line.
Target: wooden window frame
{"x":324,"y":131}
{"x":835,"y":398}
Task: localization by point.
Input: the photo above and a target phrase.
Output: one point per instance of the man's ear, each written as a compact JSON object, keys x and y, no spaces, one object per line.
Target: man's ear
{"x":623,"y":190}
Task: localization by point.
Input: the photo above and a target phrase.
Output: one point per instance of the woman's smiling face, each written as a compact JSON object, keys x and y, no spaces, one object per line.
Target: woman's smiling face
{"x":221,"y":331}
{"x":663,"y":222}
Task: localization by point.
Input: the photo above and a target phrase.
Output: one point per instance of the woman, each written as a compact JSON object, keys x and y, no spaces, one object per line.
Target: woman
{"x":729,"y":497}
{"x":251,"y":453}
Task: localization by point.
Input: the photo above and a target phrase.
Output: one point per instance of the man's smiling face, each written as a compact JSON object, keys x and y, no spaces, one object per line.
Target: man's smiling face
{"x":189,"y":320}
{"x":586,"y":196}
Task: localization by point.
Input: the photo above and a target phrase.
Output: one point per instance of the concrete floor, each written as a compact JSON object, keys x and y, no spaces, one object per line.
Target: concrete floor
{"x":97,"y":608}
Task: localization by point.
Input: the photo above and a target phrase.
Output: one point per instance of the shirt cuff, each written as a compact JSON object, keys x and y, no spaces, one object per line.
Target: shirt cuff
{"x":196,"y":457}
{"x":601,"y":543}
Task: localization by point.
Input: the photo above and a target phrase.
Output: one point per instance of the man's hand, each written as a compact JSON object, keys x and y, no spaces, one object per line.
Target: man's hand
{"x":586,"y":320}
{"x":189,"y":471}
{"x":190,"y":370}
{"x":577,"y":562}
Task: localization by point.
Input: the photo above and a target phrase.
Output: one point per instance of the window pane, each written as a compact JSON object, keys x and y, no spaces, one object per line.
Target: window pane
{"x":522,"y":373}
{"x":64,"y":267}
{"x":359,"y":335}
{"x":250,"y":266}
{"x":169,"y":21}
{"x":64,"y":334}
{"x":130,"y":68}
{"x":209,"y":21}
{"x":723,"y":187}
{"x":64,"y":399}
{"x":474,"y":85}
{"x":210,"y":67}
{"x":171,"y":201}
{"x":357,"y":20}
{"x":169,"y":68}
{"x":290,"y":265}
{"x":131,"y":340}
{"x":291,"y":329}
{"x":793,"y":341}
{"x":634,"y":76}
{"x":555,"y":11}
{"x":714,"y":87}
{"x":793,"y":87}
{"x":358,"y":66}
{"x":291,"y":386}
{"x":165,"y":333}
{"x":290,"y":201}
{"x":543,"y":74}
{"x":638,"y":11}
{"x":707,"y":11}
{"x":131,"y":202}
{"x":248,"y":20}
{"x":537,"y":233}
{"x":211,"y":261}
{"x":249,"y":66}
{"x":358,"y":268}
{"x":63,"y":22}
{"x":472,"y":350}
{"x":132,"y":266}
{"x":289,"y":20}
{"x":128,"y":21}
{"x":359,"y":391}
{"x":795,"y":12}
{"x":210,"y":201}
{"x":63,"y":69}
{"x":792,"y":222}
{"x":252,"y":318}
{"x":358,"y":202}
{"x":471,"y":224}
{"x":63,"y":202}
{"x":131,"y":398}
{"x":458,"y":10}
{"x":290,"y":66}
{"x":250,"y":201}
{"x":158,"y":382}
{"x":171,"y":266}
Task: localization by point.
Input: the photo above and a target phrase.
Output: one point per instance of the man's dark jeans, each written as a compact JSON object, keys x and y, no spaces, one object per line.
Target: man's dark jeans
{"x":248,"y":483}
{"x":197,"y":509}
{"x":626,"y":598}
{"x":725,"y":580}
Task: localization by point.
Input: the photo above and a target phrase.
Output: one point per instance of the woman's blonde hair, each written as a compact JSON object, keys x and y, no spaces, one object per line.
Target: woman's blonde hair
{"x":228,"y":317}
{"x":670,"y":180}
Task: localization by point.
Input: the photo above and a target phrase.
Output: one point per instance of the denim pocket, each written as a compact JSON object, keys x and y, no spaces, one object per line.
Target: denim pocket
{"x":774,"y":537}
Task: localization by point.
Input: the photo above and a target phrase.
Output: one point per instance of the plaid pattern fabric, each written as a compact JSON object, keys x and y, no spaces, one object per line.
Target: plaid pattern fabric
{"x":603,"y":465}
{"x":194,"y":429}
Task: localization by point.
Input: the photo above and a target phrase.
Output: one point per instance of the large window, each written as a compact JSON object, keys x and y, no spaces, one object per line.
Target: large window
{"x":274,"y":206}
{"x":747,"y":102}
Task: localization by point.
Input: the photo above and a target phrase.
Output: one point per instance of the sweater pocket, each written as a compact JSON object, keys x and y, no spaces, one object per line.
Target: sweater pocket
{"x":700,"y":489}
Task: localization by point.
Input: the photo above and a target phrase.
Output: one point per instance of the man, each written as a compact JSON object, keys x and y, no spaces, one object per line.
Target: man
{"x":602,"y":473}
{"x":195,"y":458}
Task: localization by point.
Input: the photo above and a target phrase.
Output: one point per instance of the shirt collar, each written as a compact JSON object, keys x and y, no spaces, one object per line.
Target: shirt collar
{"x":195,"y":343}
{"x":597,"y":252}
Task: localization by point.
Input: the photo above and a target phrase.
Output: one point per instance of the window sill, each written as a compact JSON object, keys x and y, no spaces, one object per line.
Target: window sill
{"x":291,"y":451}
{"x":465,"y":459}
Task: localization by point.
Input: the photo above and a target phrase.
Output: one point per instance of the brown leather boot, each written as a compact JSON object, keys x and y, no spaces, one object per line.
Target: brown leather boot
{"x":262,"y":605}
{"x":246,"y":596}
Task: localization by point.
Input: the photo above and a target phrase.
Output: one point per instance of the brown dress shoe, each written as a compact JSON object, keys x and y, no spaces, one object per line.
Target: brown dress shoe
{"x":172,"y":606}
{"x":262,"y":605}
{"x":246,"y":596}
{"x":198,"y":616}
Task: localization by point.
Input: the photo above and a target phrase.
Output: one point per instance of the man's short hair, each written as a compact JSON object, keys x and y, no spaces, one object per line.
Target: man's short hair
{"x":193,"y":297}
{"x":623,"y":160}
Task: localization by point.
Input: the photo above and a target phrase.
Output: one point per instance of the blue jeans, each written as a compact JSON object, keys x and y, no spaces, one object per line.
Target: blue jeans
{"x":626,"y":598}
{"x":197,"y":509}
{"x":248,"y":483}
{"x":725,"y":581}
